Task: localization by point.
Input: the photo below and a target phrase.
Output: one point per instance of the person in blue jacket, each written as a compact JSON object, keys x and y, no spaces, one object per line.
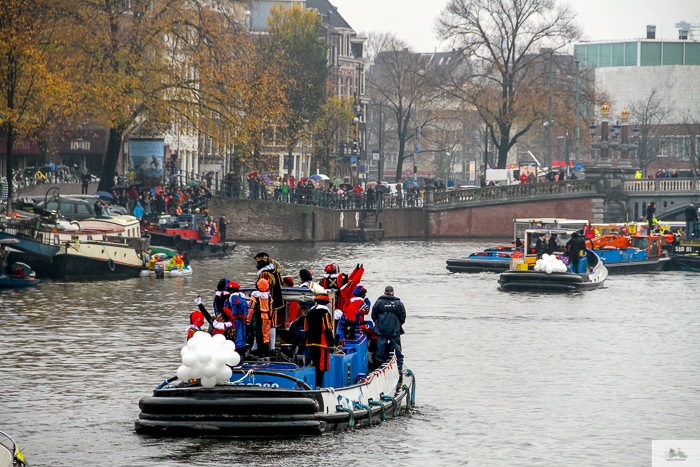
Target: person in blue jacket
{"x":389,"y":315}
{"x":237,"y":306}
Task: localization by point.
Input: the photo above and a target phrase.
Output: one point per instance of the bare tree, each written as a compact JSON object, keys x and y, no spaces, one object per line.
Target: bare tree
{"x":505,"y":40}
{"x":648,"y":114}
{"x":396,"y":83}
{"x":691,"y":122}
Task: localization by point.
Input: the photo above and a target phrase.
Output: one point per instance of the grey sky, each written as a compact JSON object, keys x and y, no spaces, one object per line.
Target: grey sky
{"x":414,"y":20}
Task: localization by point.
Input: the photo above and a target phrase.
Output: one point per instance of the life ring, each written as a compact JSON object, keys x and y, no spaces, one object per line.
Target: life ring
{"x":176,"y":239}
{"x":111,"y":265}
{"x":192,"y":242}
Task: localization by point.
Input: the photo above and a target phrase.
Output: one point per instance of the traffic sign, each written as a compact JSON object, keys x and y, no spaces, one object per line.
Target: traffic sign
{"x":362,"y":168}
{"x":578,"y":166}
{"x":353,"y":159}
{"x":415,"y":182}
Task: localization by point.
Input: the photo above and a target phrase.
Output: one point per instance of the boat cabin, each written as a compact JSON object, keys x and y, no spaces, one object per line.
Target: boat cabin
{"x":521,"y":225}
{"x":348,"y":365}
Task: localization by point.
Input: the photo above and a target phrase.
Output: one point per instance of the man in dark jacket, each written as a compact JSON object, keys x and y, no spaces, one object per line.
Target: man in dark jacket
{"x":541,"y":245}
{"x":388,"y":314}
{"x":575,"y":247}
{"x":691,"y":217}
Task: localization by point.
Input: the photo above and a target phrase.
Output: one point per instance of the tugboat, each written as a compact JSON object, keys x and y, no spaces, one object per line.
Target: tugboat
{"x":686,"y":255}
{"x":523,"y":277}
{"x":180,"y":232}
{"x":497,"y":259}
{"x":623,"y":254}
{"x":277,"y":399}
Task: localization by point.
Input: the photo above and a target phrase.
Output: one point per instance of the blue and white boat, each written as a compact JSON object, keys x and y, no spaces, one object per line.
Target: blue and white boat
{"x":278,"y":399}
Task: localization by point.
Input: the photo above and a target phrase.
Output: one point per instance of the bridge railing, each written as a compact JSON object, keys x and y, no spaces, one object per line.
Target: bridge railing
{"x":513,"y":191}
{"x":663,"y":184}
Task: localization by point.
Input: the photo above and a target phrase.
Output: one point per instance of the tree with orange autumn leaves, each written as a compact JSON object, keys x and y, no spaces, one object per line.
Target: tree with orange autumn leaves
{"x":33,"y":81}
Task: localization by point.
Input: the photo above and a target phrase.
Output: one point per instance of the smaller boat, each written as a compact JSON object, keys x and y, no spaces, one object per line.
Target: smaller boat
{"x":10,"y":454}
{"x":163,"y":264}
{"x":497,"y":259}
{"x":21,"y":276}
{"x":522,"y":276}
{"x":180,"y":232}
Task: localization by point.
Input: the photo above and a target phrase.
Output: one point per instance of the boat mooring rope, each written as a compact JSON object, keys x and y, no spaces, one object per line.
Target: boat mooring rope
{"x":351,"y":420}
{"x":373,"y":402}
{"x":369,"y":412}
{"x":408,"y":398}
{"x":389,"y":398}
{"x":413,"y":386}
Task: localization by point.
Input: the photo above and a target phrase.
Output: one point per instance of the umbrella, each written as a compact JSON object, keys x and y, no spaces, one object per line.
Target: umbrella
{"x":383,"y":188}
{"x":8,"y":241}
{"x":337,"y":182}
{"x":319,"y":177}
{"x":371,"y":184}
{"x":104,"y":195}
{"x":346,"y":186}
{"x":174,"y":176}
{"x":253,"y":174}
{"x":193,"y":183}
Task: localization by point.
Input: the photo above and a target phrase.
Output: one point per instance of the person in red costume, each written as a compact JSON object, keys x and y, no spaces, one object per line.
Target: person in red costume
{"x":341,"y":283}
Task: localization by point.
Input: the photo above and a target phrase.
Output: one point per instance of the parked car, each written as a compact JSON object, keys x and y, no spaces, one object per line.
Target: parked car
{"x":69,"y":208}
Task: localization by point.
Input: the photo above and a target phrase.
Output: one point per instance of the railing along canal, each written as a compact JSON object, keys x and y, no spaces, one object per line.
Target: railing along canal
{"x":513,"y":191}
{"x":663,"y":184}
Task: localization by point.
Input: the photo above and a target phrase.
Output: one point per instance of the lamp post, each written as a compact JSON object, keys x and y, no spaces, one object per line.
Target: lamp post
{"x":618,"y":133}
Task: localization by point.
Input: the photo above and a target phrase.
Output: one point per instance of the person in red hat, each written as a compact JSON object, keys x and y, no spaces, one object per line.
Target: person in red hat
{"x":341,"y":283}
{"x":319,"y":336}
{"x":196,"y":324}
{"x":292,"y":307}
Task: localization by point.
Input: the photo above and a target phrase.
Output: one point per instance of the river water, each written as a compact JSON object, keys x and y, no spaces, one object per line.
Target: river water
{"x":585,"y":379}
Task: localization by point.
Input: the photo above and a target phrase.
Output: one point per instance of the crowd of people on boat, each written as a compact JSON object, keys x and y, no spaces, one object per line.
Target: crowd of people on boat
{"x":262,"y":323}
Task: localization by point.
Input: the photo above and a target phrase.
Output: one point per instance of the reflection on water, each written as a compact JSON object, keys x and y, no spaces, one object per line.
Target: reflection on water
{"x":502,"y":378}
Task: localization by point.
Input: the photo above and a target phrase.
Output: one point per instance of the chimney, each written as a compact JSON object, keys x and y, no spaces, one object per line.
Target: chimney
{"x":651,"y":31}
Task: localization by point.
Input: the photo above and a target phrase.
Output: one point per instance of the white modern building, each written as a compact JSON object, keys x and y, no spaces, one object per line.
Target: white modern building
{"x":629,"y":70}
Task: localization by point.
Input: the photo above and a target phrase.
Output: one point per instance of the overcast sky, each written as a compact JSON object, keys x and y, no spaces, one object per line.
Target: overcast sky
{"x":414,"y":20}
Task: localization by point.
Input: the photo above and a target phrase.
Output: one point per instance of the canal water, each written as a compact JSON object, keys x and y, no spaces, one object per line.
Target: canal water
{"x":527,"y":379}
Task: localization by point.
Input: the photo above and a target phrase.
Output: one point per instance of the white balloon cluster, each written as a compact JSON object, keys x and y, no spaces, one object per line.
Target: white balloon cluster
{"x":550,"y":264}
{"x":208,"y":358}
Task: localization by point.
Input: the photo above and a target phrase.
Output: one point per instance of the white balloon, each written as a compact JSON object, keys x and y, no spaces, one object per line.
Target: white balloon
{"x":204,"y":354}
{"x":223,"y":374}
{"x":183,"y":373}
{"x":190,"y":358}
{"x":549,"y":270}
{"x":545,"y":257}
{"x":219,"y":340}
{"x":209,"y":369}
{"x":193,"y":344}
{"x":183,"y":351}
{"x":219,"y":358}
{"x":230,"y":345}
{"x":209,"y":382}
{"x":232,"y":358}
{"x":196,"y":371}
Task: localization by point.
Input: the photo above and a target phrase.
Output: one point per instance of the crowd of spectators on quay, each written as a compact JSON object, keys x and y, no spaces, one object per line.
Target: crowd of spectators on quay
{"x":173,"y":199}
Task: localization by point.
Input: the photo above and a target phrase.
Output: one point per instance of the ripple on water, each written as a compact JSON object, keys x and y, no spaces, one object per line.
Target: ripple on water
{"x":502,"y":378}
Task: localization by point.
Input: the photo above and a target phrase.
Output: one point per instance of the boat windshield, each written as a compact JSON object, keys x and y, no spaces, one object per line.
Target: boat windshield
{"x":640,"y":242}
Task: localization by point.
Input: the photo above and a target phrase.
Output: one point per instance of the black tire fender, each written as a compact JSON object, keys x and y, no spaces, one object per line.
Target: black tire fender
{"x":111,"y":265}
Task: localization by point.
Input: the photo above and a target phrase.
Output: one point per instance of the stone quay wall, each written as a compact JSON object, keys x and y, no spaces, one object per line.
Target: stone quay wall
{"x":261,"y":221}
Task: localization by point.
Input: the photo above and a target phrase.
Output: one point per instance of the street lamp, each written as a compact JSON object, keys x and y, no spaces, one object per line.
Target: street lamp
{"x":592,"y":128}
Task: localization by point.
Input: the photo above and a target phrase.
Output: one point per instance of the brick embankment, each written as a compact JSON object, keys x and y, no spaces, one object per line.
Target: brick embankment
{"x":257,"y":221}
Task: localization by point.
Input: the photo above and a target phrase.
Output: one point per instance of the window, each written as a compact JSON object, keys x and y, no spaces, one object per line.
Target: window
{"x":67,"y":208}
{"x":630,"y":53}
{"x":673,"y":53}
{"x":618,"y":54}
{"x":82,"y":209}
{"x":605,"y":55}
{"x":692,"y":53}
{"x":651,"y":54}
{"x":52,"y":206}
{"x":592,"y":55}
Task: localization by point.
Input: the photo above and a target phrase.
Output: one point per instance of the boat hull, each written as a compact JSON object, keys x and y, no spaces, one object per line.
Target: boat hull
{"x":184,"y":272}
{"x":637,"y":266}
{"x":97,"y":261}
{"x":10,"y":282}
{"x":686,"y":262}
{"x":194,"y":247}
{"x":542,"y":282}
{"x":469,"y":265}
{"x":247,"y":411}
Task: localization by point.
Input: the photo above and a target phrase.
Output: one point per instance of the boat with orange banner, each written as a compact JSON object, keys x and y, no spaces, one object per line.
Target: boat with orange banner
{"x":630,"y":254}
